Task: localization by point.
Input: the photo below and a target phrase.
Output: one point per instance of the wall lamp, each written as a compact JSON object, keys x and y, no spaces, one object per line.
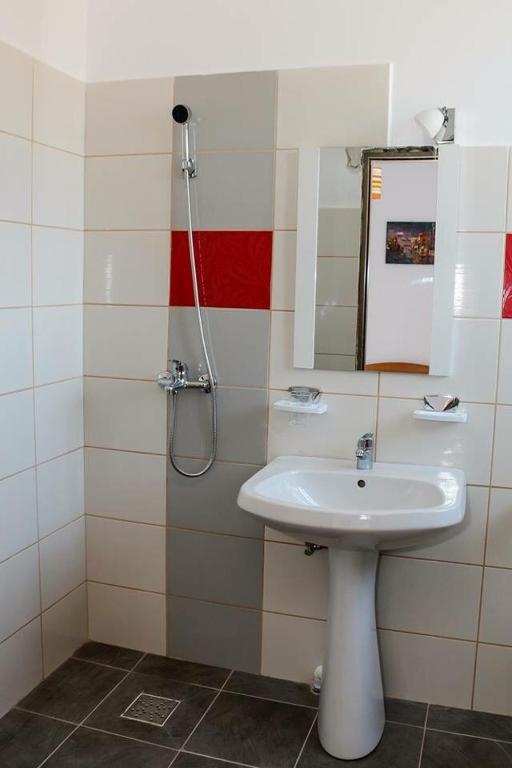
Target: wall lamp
{"x":439,"y":123}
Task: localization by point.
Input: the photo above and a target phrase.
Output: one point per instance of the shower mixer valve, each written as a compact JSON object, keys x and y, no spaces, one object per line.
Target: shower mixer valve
{"x":178,"y":378}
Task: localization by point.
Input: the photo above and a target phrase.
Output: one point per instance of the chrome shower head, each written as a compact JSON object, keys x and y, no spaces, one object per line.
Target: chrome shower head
{"x":181,"y":114}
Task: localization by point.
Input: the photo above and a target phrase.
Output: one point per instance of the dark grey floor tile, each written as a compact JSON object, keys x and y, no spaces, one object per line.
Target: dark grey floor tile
{"x":25,"y":739}
{"x":408,"y":712}
{"x":73,"y":690}
{"x":215,"y":568}
{"x":228,"y":635}
{"x":448,"y":750}
{"x":466,"y":721}
{"x":272,"y":688}
{"x":254,"y":731}
{"x":124,"y":658}
{"x":91,"y":749}
{"x":184,"y":671}
{"x":400,"y":747}
{"x":193,"y":702}
{"x":186,"y":760}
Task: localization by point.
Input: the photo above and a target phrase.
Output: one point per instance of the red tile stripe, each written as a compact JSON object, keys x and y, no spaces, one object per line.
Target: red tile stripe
{"x":234,"y":269}
{"x":507,"y":281}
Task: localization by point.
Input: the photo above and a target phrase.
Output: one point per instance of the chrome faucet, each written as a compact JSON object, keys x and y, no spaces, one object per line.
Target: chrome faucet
{"x":178,"y":378}
{"x":364,"y":451}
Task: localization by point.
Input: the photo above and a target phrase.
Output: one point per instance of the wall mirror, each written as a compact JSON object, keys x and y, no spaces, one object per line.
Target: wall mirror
{"x":376,"y":259}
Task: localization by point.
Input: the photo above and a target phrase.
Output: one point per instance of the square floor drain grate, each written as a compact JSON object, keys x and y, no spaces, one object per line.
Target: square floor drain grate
{"x":153,"y":710}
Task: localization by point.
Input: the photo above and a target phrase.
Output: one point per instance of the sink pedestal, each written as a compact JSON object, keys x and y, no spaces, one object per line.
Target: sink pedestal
{"x":351,"y":714}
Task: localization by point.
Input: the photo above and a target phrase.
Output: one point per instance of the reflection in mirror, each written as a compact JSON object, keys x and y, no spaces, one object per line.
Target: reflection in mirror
{"x":339,"y":224}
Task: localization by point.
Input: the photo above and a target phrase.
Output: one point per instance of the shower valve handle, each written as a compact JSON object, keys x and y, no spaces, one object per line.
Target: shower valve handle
{"x":178,"y":378}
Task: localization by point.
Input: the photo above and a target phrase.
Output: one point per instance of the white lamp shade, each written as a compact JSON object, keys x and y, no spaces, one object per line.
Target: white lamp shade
{"x":431,"y":120}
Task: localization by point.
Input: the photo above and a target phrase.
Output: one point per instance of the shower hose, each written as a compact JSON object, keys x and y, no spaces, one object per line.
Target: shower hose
{"x":212,"y":391}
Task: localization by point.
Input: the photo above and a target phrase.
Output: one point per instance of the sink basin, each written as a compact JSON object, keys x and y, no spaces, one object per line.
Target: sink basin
{"x":356,"y":513}
{"x":330,"y":502}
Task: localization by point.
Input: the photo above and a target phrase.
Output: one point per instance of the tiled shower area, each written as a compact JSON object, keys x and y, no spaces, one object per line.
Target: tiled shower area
{"x":120,"y":577}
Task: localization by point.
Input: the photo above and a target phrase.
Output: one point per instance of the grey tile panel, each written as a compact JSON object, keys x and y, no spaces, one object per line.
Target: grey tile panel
{"x":239,"y":343}
{"x":210,"y":567}
{"x":272,"y":688}
{"x":242,"y":425}
{"x":229,"y":111}
{"x":472,"y":723}
{"x":208,"y":503}
{"x":233,"y":190}
{"x":214,"y":634}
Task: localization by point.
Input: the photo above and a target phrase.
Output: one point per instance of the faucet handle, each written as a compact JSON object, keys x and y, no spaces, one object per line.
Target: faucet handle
{"x":365,"y":441}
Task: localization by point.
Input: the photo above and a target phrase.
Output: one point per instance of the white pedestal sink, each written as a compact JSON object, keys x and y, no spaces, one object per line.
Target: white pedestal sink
{"x":356,"y":514}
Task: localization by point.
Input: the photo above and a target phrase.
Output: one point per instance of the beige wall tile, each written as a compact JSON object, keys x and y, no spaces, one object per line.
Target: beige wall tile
{"x":59,"y":418}
{"x":499,"y":534}
{"x":483,"y":189}
{"x":17,"y":434}
{"x":283,"y":270}
{"x":334,"y":434}
{"x":496,"y":617}
{"x":58,"y":188}
{"x":126,"y":485}
{"x":502,"y":463}
{"x":290,"y":659}
{"x":19,"y":591}
{"x":15,"y":349}
{"x":430,"y":669}
{"x":62,"y":556}
{"x":127,"y":617}
{"x":64,"y":628}
{"x":21,"y":666}
{"x":346,"y":120}
{"x":57,"y":266}
{"x":479,"y":274}
{"x":428,"y":597}
{"x":129,"y":117}
{"x":15,"y":285}
{"x":18,"y":514}
{"x":129,"y":342}
{"x":493,"y":692}
{"x":294,"y":583}
{"x":59,"y":109}
{"x":15,"y":91}
{"x":466,"y":446}
{"x":128,"y":192}
{"x":60,"y":491}
{"x":505,"y":376}
{"x":286,"y":179}
{"x":125,"y":415}
{"x":127,"y":268}
{"x":15,"y":178}
{"x":126,"y":554}
{"x":58,"y":340}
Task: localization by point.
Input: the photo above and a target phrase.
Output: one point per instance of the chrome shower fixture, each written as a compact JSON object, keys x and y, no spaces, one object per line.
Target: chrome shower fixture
{"x":182,"y":115}
{"x":177,"y":380}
